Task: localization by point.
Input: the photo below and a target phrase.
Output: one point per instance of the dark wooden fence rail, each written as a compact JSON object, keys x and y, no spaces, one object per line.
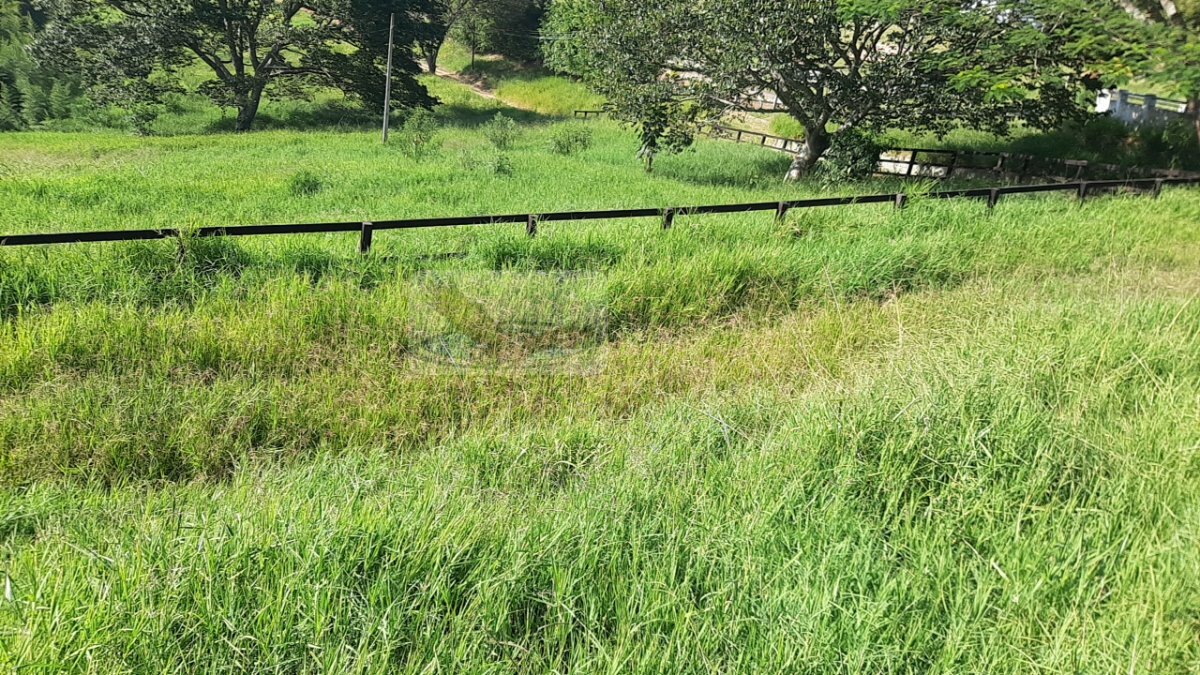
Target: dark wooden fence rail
{"x":367,"y":230}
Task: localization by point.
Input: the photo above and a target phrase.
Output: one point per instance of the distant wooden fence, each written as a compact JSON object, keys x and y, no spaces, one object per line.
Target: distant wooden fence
{"x":367,"y":230}
{"x":931,"y":163}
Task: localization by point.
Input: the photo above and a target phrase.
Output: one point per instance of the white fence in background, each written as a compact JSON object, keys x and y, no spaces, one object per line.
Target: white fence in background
{"x":1138,"y":110}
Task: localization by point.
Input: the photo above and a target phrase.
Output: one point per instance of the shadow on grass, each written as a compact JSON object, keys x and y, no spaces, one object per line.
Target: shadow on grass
{"x":490,"y":70}
{"x":466,"y":117}
{"x":296,"y":116}
{"x":702,"y":168}
{"x":340,"y":116}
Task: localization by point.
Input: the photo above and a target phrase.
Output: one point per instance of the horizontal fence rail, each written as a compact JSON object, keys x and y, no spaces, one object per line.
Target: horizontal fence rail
{"x":367,"y":229}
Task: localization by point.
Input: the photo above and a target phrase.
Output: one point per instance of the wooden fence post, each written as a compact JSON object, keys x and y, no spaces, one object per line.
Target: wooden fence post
{"x":366,"y":234}
{"x":531,"y":226}
{"x":1083,"y":191}
{"x":993,"y":198}
{"x":1158,"y":186}
{"x":912,"y":162}
{"x":953,"y":164}
{"x":781,"y":211}
{"x":668,"y":218}
{"x":901,"y":201}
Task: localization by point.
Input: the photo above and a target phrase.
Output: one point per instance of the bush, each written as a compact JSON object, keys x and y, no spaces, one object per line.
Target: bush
{"x":305,"y":184}
{"x":500,"y":164}
{"x":418,"y":135}
{"x":570,"y":138}
{"x":1180,"y":137}
{"x":1104,"y":135}
{"x":852,"y":155}
{"x":501,"y":131}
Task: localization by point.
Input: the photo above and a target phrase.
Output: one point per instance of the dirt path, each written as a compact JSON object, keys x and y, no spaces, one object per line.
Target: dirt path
{"x":475,"y":86}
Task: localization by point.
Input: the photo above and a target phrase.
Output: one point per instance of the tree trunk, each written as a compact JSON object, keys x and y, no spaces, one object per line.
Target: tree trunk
{"x":247,"y":106}
{"x":431,"y":57}
{"x":815,"y":145}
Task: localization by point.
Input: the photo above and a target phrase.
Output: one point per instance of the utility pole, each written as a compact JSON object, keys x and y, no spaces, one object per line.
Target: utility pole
{"x":387,"y":88}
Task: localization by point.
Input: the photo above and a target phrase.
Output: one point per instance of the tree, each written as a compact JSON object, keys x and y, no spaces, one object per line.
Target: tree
{"x":133,"y":50}
{"x":509,"y":28}
{"x":28,"y":95}
{"x":441,"y":17}
{"x":474,"y":31}
{"x":16,"y":32}
{"x":512,"y":28}
{"x":366,"y":26}
{"x":1173,"y":48}
{"x":1154,"y":40}
{"x":836,"y":66}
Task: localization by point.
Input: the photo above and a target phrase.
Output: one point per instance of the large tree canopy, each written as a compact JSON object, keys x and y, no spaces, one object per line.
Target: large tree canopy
{"x":130,"y":49}
{"x":836,"y":66}
{"x":1173,"y":54}
{"x":1148,"y":40}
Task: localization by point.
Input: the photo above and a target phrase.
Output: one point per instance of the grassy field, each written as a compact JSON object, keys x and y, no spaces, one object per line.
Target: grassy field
{"x":526,"y":87}
{"x":862,"y":440}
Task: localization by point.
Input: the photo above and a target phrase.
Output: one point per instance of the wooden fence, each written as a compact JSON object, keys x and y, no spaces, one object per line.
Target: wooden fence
{"x":931,"y":163}
{"x":367,"y":230}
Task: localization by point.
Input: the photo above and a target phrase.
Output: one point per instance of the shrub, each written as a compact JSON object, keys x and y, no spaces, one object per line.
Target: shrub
{"x":501,"y":131}
{"x":305,"y":184}
{"x":60,"y":101}
{"x":1180,"y":137}
{"x":417,"y":137}
{"x":500,"y":164}
{"x":468,"y":159}
{"x":570,"y":138}
{"x":1104,"y":135}
{"x":852,"y":155}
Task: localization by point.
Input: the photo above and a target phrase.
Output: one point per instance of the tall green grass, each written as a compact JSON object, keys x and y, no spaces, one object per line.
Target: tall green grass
{"x":55,"y":182}
{"x":860,"y":440}
{"x":523,"y":86}
{"x":992,"y":478}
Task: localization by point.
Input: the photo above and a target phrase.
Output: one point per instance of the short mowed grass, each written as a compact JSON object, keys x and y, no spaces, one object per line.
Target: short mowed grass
{"x":861,"y":440}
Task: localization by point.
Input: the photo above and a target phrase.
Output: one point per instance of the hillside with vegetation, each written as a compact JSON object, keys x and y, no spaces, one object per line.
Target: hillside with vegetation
{"x":941,"y":438}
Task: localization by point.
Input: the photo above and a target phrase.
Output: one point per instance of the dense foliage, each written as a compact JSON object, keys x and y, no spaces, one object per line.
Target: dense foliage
{"x":1173,"y":47}
{"x":134,"y":52}
{"x":29,"y":95}
{"x":837,"y":67}
{"x":505,"y":27}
